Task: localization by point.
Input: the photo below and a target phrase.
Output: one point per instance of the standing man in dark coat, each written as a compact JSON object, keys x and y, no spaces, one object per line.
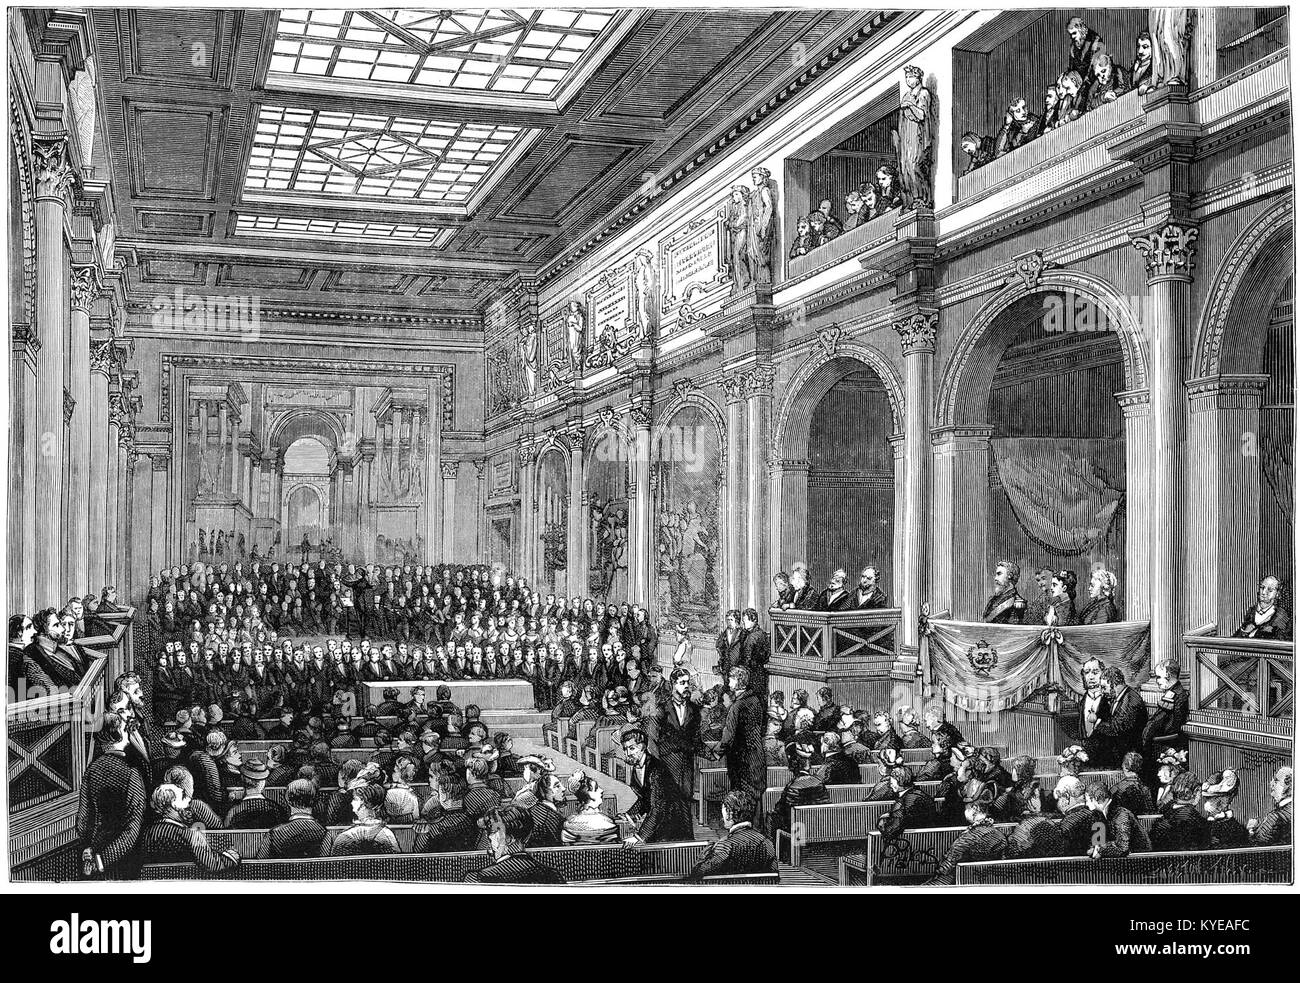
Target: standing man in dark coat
{"x":1005,"y":606}
{"x":661,"y":807}
{"x":675,"y":726}
{"x":111,"y":805}
{"x":755,"y":650}
{"x":742,"y":737}
{"x":729,"y":645}
{"x":1164,"y":727}
{"x":1122,"y":731}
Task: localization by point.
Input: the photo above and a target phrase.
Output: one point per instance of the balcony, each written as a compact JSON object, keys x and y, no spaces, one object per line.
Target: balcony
{"x":818,"y":640}
{"x":1242,"y":677}
{"x":868,"y":236}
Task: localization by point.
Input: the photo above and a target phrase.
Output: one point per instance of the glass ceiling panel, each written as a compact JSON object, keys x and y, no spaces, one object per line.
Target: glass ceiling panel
{"x":285,"y":227}
{"x":323,"y":153}
{"x":526,"y":52}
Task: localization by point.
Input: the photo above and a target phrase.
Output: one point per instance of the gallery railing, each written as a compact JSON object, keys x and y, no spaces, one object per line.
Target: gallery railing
{"x":1246,"y":676}
{"x":51,"y":741}
{"x":870,"y":636}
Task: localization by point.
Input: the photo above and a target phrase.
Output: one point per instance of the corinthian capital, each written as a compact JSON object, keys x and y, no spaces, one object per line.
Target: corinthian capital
{"x":1169,"y":252}
{"x":54,"y":173}
{"x":917,"y":331}
{"x":87,"y":284}
{"x":733,"y":387}
{"x":759,"y":381}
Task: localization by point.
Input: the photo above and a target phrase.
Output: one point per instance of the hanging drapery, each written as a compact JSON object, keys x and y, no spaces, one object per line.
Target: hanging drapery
{"x":986,"y":668}
{"x":1064,"y":492}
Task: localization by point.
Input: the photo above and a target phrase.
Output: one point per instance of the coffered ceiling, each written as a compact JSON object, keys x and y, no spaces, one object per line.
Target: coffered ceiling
{"x":409,"y":161}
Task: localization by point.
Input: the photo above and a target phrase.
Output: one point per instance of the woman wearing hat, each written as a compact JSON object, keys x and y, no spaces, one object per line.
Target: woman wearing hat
{"x":588,"y":825}
{"x":1169,"y":766}
{"x":980,"y":840}
{"x":1217,"y":794}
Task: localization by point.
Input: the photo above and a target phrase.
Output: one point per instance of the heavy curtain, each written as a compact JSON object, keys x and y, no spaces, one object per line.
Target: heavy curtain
{"x":1064,"y":492}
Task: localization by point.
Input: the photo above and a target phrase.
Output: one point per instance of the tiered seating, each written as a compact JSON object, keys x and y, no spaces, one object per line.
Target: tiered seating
{"x":1258,"y":865}
{"x":608,"y":805}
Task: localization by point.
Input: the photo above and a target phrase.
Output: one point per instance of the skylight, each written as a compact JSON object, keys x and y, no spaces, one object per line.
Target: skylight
{"x":516,"y":52}
{"x":285,"y":227}
{"x":352,"y":155}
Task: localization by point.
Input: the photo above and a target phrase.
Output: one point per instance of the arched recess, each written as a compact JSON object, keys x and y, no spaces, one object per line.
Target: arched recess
{"x":607,"y":512}
{"x":306,"y":516}
{"x":551,"y":494}
{"x":1040,"y":444}
{"x":688,"y":484}
{"x":298,"y":423}
{"x":1241,"y":424}
{"x":852,"y":386}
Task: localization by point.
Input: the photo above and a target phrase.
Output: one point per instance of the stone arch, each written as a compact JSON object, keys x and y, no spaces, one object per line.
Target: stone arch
{"x":682,"y":400}
{"x":815,"y":377}
{"x":308,"y":422}
{"x":1252,"y":271}
{"x":962,"y":396}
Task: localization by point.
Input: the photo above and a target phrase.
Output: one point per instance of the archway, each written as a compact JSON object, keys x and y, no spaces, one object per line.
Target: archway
{"x":1035,"y":450}
{"x":305,"y":513}
{"x":1242,"y":424}
{"x":607,"y":513}
{"x":553,"y":519}
{"x":835,"y":490}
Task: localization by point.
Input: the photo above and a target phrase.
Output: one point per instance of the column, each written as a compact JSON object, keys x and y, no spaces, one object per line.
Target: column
{"x":53,"y":178}
{"x":450,"y":469}
{"x":917,"y":332}
{"x":366,"y":457}
{"x":148,"y":516}
{"x":159,"y":466}
{"x":789,"y":512}
{"x":101,"y":358}
{"x":1168,"y":255}
{"x":116,"y":428}
{"x":577,"y":515}
{"x":432,"y":470}
{"x":85,"y":288}
{"x":232,"y":434}
{"x":640,"y":546}
{"x":119,"y":544}
{"x":734,"y":557}
{"x":898,"y":445}
{"x":1223,"y":441}
{"x":23,"y":452}
{"x":1135,"y":589}
{"x":758,"y":591}
{"x":527,"y":456}
{"x":348,"y":520}
{"x":127,"y":541}
{"x":961,"y":568}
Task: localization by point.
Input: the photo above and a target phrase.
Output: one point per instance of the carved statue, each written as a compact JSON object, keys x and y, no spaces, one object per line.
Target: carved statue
{"x":575,"y":328}
{"x":761,"y":237}
{"x":737,"y":224}
{"x":530,"y":353}
{"x":647,"y":292}
{"x":916,"y":138}
{"x":1171,"y":30}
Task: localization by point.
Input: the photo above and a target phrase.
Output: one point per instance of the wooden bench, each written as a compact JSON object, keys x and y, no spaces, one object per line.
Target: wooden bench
{"x":567,"y":808}
{"x":819,"y":835}
{"x":1255,"y":865}
{"x":573,"y":745}
{"x":912,"y":858}
{"x":555,"y":738}
{"x":607,"y":744}
{"x":580,"y":864}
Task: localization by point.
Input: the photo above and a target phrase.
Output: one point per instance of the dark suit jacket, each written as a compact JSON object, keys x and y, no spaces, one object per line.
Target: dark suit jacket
{"x":662,"y":807}
{"x":450,"y":832}
{"x":742,"y":743}
{"x":800,"y":790}
{"x":110,"y":811}
{"x":804,"y":599}
{"x":1164,"y":728}
{"x":1102,"y":611}
{"x":677,"y":745}
{"x":1124,"y":834}
{"x":835,"y":602}
{"x":255,"y":814}
{"x":1006,"y":608}
{"x":298,"y":839}
{"x":52,"y":666}
{"x":840,"y":769}
{"x":729,"y":652}
{"x":755,"y":650}
{"x":1277,"y":628}
{"x":1181,"y":828}
{"x":744,"y":850}
{"x":875,"y":598}
{"x":914,"y":809}
{"x":1122,"y":732}
{"x":547,"y":826}
{"x":1077,"y":830}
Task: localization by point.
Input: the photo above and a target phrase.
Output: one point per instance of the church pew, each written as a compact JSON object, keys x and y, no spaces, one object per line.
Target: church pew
{"x":608,"y":805}
{"x":857,"y":793}
{"x":1254,"y":865}
{"x":596,"y":863}
{"x":912,"y":858}
{"x":820,"y":835}
{"x":573,"y":746}
{"x":607,"y":745}
{"x":555,"y":738}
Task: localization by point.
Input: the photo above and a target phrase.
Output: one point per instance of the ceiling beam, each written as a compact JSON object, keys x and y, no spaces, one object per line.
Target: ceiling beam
{"x":295,"y":253}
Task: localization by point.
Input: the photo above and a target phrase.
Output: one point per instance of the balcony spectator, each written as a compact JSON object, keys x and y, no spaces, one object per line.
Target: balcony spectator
{"x":1265,"y":618}
{"x":1051,"y":107}
{"x":1070,"y":85}
{"x":819,"y":231}
{"x":804,"y":242}
{"x":1018,"y":127}
{"x":858,"y":214}
{"x":1085,"y":45}
{"x":980,"y":150}
{"x":1060,"y":608}
{"x":1140,"y":75}
{"x":1108,"y":84}
{"x":1100,"y":609}
{"x":831,"y":225}
{"x":889,"y":192}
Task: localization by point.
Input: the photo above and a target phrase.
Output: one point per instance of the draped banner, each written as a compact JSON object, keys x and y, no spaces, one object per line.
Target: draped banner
{"x":984,"y":668}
